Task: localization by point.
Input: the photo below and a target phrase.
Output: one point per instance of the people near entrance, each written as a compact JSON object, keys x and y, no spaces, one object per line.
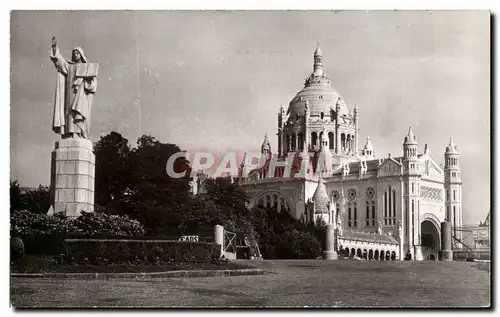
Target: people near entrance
{"x":408,"y":256}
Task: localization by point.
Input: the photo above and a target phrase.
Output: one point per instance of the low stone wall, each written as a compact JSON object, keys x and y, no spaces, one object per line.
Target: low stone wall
{"x":100,"y":251}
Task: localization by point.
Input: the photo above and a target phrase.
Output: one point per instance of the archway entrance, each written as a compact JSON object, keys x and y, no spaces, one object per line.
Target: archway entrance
{"x":430,"y":240}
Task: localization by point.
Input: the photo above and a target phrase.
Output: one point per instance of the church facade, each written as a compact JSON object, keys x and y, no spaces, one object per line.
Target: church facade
{"x":384,"y":208}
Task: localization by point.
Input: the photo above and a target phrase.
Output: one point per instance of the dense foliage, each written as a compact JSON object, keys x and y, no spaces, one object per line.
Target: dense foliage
{"x":135,"y":196}
{"x":282,"y":237}
{"x":36,"y":201}
{"x":26,"y":224}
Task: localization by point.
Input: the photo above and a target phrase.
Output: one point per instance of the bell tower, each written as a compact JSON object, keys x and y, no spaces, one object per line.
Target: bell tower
{"x":453,"y":188}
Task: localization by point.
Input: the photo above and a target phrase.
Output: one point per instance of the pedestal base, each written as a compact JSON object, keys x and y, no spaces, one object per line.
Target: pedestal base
{"x":446,"y":255}
{"x":72,"y":177}
{"x":418,"y":253}
{"x":330,"y":255}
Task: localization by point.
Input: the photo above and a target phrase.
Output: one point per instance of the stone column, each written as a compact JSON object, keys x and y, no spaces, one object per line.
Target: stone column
{"x":446,"y":253}
{"x":329,"y":253}
{"x":72,"y":176}
{"x":219,"y":238}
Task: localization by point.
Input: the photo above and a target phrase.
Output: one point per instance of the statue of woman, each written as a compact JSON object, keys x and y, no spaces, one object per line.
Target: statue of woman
{"x":75,"y":86}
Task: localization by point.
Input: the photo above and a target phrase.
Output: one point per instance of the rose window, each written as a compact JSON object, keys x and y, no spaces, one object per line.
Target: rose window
{"x":351,"y":194}
{"x":370,"y":192}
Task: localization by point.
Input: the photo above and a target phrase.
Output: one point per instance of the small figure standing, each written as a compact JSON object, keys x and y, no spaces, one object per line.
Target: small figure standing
{"x":379,"y":227}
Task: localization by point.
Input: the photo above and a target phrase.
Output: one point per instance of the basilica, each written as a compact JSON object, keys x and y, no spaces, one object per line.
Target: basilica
{"x":384,"y":208}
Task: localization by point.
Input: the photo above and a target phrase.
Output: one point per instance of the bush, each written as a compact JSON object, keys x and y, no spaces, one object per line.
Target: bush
{"x":139,"y":251}
{"x":16,"y":249}
{"x":299,"y":245}
{"x":44,"y":234}
{"x":98,"y":223}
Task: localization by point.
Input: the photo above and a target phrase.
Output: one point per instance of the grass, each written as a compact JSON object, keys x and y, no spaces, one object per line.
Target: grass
{"x":49,"y":264}
{"x":293,"y":283}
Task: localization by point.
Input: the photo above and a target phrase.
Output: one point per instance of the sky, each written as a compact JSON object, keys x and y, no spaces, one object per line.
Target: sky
{"x":214,"y":80}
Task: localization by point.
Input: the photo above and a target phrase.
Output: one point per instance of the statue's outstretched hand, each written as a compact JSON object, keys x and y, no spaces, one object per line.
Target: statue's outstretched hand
{"x":54,"y":45}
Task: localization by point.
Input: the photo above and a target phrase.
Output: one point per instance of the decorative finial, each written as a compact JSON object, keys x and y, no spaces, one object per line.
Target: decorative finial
{"x":265,"y":136}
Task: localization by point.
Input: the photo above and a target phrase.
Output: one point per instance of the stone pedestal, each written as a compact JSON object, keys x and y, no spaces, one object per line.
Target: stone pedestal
{"x":329,"y":253}
{"x":418,"y":253}
{"x":72,"y":176}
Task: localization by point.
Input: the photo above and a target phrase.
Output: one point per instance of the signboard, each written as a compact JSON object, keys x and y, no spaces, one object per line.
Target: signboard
{"x":189,"y":239}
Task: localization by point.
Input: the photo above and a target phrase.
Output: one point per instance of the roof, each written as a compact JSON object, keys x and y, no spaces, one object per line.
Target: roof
{"x":320,"y":95}
{"x":369,"y":236}
{"x":320,"y":197}
{"x":354,"y":167}
{"x":452,"y":148}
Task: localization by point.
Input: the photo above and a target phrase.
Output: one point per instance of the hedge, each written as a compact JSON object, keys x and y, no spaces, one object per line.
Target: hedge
{"x":114,"y":251}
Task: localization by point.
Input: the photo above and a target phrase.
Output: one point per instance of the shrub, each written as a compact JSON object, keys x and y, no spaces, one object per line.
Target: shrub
{"x":298,"y":245}
{"x":98,"y":223}
{"x":44,"y":234}
{"x":142,"y":251}
{"x":16,"y":249}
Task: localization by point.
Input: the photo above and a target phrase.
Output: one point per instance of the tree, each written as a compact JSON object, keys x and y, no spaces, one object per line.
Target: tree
{"x":111,"y":170}
{"x":15,"y":196}
{"x":37,"y":201}
{"x":150,"y":181}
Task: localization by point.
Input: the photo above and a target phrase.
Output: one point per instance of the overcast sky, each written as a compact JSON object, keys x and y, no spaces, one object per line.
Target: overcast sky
{"x":215,"y":80}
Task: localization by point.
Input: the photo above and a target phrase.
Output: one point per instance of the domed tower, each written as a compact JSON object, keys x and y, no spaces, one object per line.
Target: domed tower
{"x":410,"y":153}
{"x":411,"y":197}
{"x":315,"y":107}
{"x":453,"y":187}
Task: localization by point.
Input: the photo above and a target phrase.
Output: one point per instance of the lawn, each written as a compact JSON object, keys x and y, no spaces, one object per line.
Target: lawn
{"x":298,"y":283}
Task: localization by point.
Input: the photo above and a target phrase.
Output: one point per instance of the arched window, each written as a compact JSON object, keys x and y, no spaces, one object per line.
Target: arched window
{"x":300,"y":141}
{"x":314,"y":138}
{"x":349,"y":215}
{"x":330,"y":140}
{"x":322,"y":115}
{"x":355,"y":207}
{"x":342,"y":142}
{"x":352,"y":214}
{"x":294,"y":142}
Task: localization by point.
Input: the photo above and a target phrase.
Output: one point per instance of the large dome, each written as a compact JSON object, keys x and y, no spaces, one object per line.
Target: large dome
{"x":321,"y":98}
{"x":318,"y":92}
